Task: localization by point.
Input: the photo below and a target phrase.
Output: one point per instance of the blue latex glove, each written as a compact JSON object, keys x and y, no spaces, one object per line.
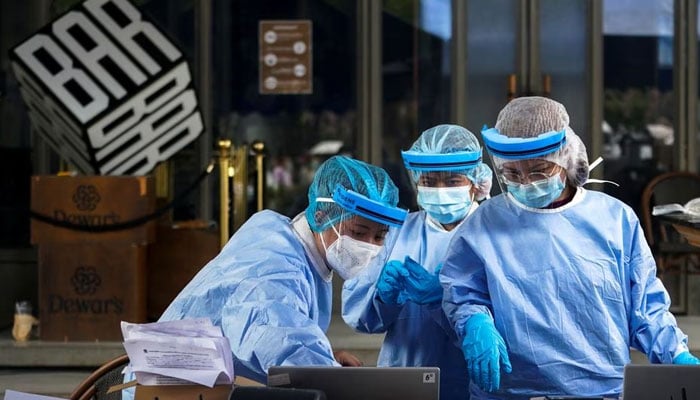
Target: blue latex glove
{"x":685,"y":358}
{"x":485,"y":352}
{"x":390,"y":283}
{"x":420,"y":286}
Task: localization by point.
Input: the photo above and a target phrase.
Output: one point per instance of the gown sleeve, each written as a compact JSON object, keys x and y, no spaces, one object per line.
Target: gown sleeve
{"x":463,"y":278}
{"x":268,"y":323}
{"x":653,"y":328}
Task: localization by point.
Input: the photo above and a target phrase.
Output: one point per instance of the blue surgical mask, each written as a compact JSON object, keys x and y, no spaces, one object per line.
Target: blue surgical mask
{"x":537,"y":194}
{"x":445,"y":205}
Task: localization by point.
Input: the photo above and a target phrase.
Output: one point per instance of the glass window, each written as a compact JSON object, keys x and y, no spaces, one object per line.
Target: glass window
{"x":563,"y":59}
{"x":299,"y":130}
{"x":17,"y":22}
{"x":416,"y":79}
{"x":638,"y":108}
{"x":492,"y":57}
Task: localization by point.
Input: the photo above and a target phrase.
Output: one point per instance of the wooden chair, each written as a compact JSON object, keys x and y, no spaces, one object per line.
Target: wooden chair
{"x":671,"y":251}
{"x":95,"y":386}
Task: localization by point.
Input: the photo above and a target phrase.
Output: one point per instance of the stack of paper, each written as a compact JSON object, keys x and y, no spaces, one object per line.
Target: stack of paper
{"x":178,"y":352}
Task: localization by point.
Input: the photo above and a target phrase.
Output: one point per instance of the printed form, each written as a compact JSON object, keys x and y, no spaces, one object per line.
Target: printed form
{"x":178,"y":352}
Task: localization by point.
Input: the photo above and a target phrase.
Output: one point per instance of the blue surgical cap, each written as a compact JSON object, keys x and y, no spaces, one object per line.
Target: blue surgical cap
{"x":358,"y":176}
{"x":446,"y":139}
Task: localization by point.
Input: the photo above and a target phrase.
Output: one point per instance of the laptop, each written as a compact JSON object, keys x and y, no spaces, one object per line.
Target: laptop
{"x":661,"y":382}
{"x":365,"y":383}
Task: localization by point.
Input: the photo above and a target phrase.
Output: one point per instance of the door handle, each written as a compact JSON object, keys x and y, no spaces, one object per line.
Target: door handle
{"x":512,"y":86}
{"x":546,"y":85}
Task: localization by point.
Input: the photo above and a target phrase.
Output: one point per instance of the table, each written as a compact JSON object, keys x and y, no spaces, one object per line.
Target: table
{"x":687,"y":225}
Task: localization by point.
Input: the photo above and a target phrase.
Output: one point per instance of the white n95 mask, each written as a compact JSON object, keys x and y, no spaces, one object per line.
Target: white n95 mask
{"x":348,"y":256}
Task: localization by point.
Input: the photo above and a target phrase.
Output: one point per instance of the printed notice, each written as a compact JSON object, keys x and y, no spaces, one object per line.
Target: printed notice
{"x":285,"y":59}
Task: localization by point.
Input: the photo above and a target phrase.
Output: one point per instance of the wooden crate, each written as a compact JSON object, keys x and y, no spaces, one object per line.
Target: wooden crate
{"x":87,"y":289}
{"x":174,"y":259}
{"x":92,"y":201}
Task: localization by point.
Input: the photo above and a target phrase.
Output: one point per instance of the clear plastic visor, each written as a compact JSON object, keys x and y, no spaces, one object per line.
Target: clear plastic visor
{"x":356,"y":226}
{"x":522,"y":172}
{"x":441,"y":179}
{"x":514,"y":175}
{"x":370,"y":234}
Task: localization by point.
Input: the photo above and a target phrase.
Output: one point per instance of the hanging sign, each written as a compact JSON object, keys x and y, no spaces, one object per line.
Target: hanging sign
{"x":285,"y":61}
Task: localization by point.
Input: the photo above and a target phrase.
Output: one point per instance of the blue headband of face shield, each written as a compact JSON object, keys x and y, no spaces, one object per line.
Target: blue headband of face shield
{"x":368,"y":208}
{"x":522,"y":148}
{"x":441,"y":162}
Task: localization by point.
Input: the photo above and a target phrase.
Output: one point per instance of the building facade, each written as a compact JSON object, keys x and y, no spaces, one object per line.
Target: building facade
{"x":379,"y":73}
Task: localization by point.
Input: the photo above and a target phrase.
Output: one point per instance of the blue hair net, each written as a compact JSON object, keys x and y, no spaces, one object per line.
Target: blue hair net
{"x":351,"y":174}
{"x":446,"y":139}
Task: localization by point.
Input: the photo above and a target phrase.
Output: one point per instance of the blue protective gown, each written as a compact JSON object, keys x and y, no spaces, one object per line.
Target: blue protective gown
{"x":570,"y":290}
{"x":416,"y":335}
{"x":269,"y":291}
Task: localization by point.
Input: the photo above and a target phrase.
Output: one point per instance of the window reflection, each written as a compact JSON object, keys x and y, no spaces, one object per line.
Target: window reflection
{"x":638,"y":109}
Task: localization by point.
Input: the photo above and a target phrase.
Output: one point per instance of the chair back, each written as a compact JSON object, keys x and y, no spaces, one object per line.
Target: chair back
{"x":95,"y":386}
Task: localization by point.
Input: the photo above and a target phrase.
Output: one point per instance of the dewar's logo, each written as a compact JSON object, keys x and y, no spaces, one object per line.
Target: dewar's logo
{"x":86,"y":197}
{"x":87,"y":300}
{"x":85,"y":280}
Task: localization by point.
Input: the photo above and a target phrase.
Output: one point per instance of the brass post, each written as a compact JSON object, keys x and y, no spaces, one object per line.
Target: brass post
{"x":224,"y":166}
{"x":64,"y":169}
{"x":259,"y":148}
{"x":239,"y":172}
{"x":162,"y":175}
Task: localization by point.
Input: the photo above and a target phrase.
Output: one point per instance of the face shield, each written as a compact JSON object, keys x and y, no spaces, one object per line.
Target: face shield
{"x":445,"y":182}
{"x":358,"y":238}
{"x":529,"y":170}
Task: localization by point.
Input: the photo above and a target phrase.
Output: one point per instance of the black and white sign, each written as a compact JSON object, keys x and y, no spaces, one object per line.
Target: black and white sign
{"x":107,"y":89}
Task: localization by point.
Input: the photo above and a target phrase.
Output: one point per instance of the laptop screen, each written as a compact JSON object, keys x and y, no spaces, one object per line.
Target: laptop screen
{"x":661,"y":382}
{"x":366,"y":383}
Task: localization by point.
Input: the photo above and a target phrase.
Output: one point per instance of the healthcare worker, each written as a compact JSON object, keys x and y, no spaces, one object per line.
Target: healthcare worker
{"x":404,"y":298}
{"x":548,"y":285}
{"x":269,"y":288}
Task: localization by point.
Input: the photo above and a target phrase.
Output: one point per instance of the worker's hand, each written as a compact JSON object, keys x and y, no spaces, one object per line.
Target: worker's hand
{"x":685,"y":358}
{"x":420,"y":286}
{"x":347,"y":359}
{"x":391,"y":281}
{"x":485,"y":352}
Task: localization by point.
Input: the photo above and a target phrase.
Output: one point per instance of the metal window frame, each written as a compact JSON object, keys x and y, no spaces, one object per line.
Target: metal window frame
{"x":203,"y":75}
{"x":685,"y":81}
{"x":369,"y":81}
{"x":458,"y":67}
{"x":595,"y":71}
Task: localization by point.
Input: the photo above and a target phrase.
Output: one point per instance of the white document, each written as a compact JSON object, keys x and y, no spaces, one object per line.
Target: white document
{"x":14,"y":395}
{"x":178,"y":352}
{"x":200,"y":327}
{"x":690,"y":208}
